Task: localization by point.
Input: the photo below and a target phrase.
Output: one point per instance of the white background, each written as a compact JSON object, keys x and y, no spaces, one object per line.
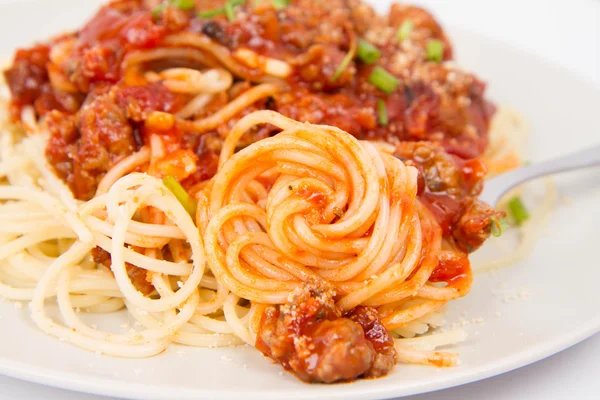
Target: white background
{"x":537,"y":27}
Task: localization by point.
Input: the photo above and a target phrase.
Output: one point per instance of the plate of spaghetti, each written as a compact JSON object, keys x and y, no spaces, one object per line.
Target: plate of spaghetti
{"x":200,"y":199}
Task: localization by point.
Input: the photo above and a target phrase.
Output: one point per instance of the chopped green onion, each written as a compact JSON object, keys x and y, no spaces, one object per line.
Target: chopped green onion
{"x":518,"y":210}
{"x":158,"y":10}
{"x":280,"y":4}
{"x":185,"y":5}
{"x":499,"y":225}
{"x":435,"y":50}
{"x":188,"y":202}
{"x":228,"y":10}
{"x":383,"y":80}
{"x":367,"y":52}
{"x":382,"y":112}
{"x":344,"y":64}
{"x":211,"y":13}
{"x":404,"y":30}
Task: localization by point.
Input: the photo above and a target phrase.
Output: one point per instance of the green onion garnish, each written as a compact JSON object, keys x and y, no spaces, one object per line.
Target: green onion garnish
{"x":499,"y":225}
{"x":518,"y":210}
{"x":227,"y":9}
{"x":158,"y":10}
{"x":188,"y":202}
{"x":382,"y":112}
{"x":184,"y":5}
{"x":344,"y":64}
{"x":435,"y":50}
{"x":229,"y":12}
{"x":211,"y":13}
{"x":280,"y":4}
{"x":367,"y":52}
{"x":383,"y":80}
{"x":404,"y":30}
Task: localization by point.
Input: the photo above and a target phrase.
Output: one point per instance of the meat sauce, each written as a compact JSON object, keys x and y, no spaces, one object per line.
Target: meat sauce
{"x":436,"y":105}
{"x":311,"y":338}
{"x":451,"y":269}
{"x":437,"y":117}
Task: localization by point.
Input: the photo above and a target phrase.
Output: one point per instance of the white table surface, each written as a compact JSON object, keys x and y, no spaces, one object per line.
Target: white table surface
{"x":573,"y":373}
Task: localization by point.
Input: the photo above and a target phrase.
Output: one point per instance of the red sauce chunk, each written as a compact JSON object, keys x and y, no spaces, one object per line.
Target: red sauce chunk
{"x":139,"y":101}
{"x":311,"y":338}
{"x":28,"y":75}
{"x":451,"y":268}
{"x":450,"y":189}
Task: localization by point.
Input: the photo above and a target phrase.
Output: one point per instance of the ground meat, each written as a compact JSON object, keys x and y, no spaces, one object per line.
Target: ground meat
{"x":292,"y":30}
{"x":441,"y":172}
{"x":101,"y":256}
{"x":320,"y":69}
{"x":52,"y":99}
{"x":444,"y":173}
{"x":375,"y":332}
{"x":424,"y":25}
{"x":28,"y":74}
{"x":140,"y":279}
{"x":106,"y":137}
{"x":213,"y":30}
{"x":98,"y":63}
{"x":473,"y":227}
{"x":345,"y":112}
{"x":62,"y":144}
{"x":138,"y":276}
{"x":206,"y":167}
{"x":141,"y":31}
{"x":29,"y":82}
{"x":311,"y":338}
{"x":451,"y":186}
{"x":138,"y":101}
{"x":421,"y":112}
{"x":362,"y":16}
{"x":174,"y":19}
{"x":451,"y":268}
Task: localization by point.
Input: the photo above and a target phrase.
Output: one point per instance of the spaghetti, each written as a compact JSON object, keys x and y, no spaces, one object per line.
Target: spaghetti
{"x":227,"y":184}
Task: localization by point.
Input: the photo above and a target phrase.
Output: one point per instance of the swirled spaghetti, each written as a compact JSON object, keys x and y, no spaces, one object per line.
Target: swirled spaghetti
{"x":312,"y":194}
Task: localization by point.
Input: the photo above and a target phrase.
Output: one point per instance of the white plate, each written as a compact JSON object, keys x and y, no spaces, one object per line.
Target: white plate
{"x":559,"y":278}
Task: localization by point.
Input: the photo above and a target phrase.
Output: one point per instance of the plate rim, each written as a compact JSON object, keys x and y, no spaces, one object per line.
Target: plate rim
{"x":109,"y":386}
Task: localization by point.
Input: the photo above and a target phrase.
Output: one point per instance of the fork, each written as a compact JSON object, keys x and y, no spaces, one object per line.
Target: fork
{"x":499,"y":185}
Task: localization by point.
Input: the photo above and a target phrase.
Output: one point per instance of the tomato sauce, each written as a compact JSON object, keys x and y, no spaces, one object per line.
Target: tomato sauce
{"x":451,"y":269}
{"x":311,"y":338}
{"x":437,"y":115}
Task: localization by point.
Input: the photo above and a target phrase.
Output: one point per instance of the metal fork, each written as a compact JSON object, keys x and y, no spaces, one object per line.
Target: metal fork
{"x":497,"y":186}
